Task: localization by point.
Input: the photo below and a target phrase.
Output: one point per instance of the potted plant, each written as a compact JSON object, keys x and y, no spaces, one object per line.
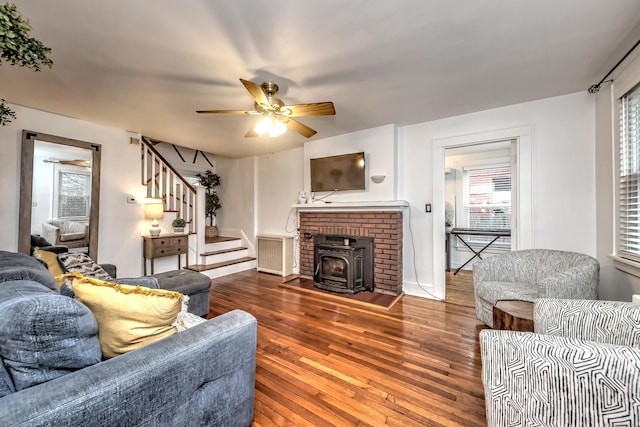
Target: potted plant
{"x":210,"y":181}
{"x":178,"y":225}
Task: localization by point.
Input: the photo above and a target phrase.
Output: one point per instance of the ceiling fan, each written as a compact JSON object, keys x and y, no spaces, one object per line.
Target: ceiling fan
{"x":278,"y":117}
{"x":69,"y":162}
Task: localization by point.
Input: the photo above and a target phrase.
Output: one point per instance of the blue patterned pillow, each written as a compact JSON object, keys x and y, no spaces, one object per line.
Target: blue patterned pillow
{"x":81,"y":263}
{"x":44,"y":335}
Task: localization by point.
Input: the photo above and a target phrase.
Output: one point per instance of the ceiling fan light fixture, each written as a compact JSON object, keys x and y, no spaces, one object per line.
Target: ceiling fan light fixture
{"x":277,"y":116}
{"x":271,"y":126}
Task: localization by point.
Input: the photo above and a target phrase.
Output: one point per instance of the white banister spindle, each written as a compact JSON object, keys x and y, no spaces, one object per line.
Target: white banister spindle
{"x":180,"y":195}
{"x":143,"y":159}
{"x":163,"y":182}
{"x":167,"y":187}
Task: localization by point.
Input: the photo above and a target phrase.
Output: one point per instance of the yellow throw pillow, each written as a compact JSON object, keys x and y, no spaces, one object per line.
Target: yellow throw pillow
{"x":129,"y":317}
{"x":51,"y":259}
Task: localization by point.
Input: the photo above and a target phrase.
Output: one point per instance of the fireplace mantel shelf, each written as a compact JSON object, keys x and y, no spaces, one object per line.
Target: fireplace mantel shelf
{"x":393,"y":205}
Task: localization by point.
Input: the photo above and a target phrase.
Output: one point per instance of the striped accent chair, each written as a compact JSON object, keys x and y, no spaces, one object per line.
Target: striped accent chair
{"x":533,"y":273}
{"x":581,"y":367}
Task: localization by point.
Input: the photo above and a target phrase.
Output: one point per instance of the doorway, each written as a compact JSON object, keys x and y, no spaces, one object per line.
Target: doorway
{"x":479,"y":197}
{"x":521,"y":184}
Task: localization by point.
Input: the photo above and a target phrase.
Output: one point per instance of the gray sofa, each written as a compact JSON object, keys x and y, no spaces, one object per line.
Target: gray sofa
{"x":203,"y":376}
{"x":526,"y":275}
{"x":187,"y":282}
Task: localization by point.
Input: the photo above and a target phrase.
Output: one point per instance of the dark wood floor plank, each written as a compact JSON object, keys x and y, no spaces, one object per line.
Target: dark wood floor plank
{"x":330,"y":362}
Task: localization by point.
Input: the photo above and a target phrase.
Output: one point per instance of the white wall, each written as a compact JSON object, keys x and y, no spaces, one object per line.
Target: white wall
{"x":237,"y":197}
{"x":614,"y":284}
{"x":265,"y":187}
{"x":563,"y":174}
{"x":380,"y":148}
{"x":279,"y":180}
{"x":120,"y":223}
{"x":42,"y":192}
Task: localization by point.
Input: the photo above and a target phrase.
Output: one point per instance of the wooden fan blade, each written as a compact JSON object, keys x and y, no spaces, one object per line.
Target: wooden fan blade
{"x":75,"y":162}
{"x":303,"y":130}
{"x":256,"y":91}
{"x":316,"y":109}
{"x":223,"y":112}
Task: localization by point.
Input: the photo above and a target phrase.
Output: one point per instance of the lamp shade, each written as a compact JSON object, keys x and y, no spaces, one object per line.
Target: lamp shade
{"x":154,"y":209}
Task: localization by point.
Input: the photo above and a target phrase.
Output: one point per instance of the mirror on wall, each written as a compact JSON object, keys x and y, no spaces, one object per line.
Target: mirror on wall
{"x":59,"y":192}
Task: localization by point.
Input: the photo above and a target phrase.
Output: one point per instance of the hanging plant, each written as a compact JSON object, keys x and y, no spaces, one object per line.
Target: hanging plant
{"x":17,"y":48}
{"x":6,"y":114}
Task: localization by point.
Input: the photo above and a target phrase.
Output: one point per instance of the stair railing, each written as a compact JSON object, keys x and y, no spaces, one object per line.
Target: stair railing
{"x":164,"y":182}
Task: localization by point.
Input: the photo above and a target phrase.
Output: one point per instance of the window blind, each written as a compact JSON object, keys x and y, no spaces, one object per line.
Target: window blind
{"x":629,"y":179}
{"x":487,"y":200}
{"x":74,"y":193}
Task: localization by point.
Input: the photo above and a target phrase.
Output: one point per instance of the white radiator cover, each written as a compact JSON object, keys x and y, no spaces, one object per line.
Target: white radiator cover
{"x":275,"y":254}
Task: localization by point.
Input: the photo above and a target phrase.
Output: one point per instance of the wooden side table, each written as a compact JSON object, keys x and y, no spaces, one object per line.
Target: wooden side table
{"x":165,"y":245}
{"x":513,"y":315}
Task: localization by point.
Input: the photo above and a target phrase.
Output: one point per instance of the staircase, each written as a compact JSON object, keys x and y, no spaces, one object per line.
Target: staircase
{"x":224,"y":256}
{"x":164,"y":182}
{"x":216,"y":256}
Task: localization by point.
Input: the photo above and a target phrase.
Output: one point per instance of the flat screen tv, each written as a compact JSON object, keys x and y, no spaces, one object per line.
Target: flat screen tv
{"x":337,"y":173}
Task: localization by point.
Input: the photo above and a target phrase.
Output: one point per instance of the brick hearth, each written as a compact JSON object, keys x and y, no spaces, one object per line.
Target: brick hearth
{"x":385,"y":228}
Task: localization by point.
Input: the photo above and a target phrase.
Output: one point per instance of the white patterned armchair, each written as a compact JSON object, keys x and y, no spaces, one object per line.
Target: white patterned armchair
{"x":60,"y":232}
{"x":533,"y":273}
{"x":581,"y":367}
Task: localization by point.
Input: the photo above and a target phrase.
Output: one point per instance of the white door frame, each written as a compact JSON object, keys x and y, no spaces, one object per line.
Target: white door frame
{"x":522,"y":236}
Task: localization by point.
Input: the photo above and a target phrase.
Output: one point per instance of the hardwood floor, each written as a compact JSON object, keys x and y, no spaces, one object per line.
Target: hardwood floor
{"x":327,"y":362}
{"x":460,"y":288}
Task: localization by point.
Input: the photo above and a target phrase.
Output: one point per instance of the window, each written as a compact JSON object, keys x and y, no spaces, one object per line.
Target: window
{"x":72,"y":193}
{"x":487,"y":201}
{"x":629,"y":177}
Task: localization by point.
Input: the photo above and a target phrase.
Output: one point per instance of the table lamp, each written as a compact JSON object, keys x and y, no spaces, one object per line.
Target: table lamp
{"x":154,"y":209}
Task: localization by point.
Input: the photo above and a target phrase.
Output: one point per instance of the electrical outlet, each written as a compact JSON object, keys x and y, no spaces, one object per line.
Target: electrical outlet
{"x":131,"y":199}
{"x":635,"y":298}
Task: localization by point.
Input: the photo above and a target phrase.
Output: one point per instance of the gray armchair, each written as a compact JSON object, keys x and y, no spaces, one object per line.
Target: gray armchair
{"x":530,"y":274}
{"x":580,"y":367}
{"x":60,"y":232}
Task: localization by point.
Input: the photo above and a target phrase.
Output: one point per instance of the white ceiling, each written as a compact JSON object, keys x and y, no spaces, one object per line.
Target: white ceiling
{"x":147,"y":65}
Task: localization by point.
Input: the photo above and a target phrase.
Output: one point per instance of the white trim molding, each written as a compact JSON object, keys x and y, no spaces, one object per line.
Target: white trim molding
{"x":628,"y":266}
{"x":392,"y":205}
{"x":522,"y":237}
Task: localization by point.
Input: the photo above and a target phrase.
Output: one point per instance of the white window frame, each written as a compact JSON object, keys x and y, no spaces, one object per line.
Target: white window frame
{"x":500,"y":244}
{"x":623,"y":84}
{"x":78,"y":170}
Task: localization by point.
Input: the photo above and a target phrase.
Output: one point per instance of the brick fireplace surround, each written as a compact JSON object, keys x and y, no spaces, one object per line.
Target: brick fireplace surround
{"x":384,"y":226}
